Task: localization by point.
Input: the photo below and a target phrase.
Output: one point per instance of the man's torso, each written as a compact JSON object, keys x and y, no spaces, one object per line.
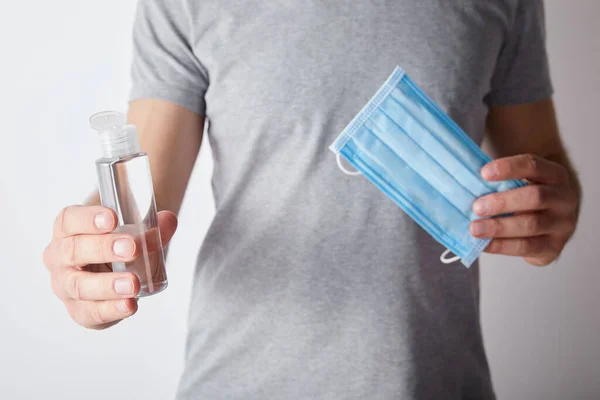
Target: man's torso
{"x":312,"y":284}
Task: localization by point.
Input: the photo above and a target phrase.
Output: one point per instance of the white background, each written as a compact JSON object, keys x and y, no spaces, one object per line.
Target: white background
{"x":63,"y":60}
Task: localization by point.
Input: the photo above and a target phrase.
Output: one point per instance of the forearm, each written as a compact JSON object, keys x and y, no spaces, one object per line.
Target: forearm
{"x":530,"y":129}
{"x":171,"y":136}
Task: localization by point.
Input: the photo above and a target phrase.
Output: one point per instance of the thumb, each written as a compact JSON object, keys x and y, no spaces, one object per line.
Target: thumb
{"x":167,"y":223}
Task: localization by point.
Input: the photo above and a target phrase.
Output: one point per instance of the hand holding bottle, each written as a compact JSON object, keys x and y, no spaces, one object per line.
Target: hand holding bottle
{"x":79,"y":257}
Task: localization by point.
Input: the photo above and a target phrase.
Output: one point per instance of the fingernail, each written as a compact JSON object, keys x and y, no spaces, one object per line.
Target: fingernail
{"x":479,"y":228}
{"x":122,"y":306}
{"x":490,"y":171}
{"x":481,"y":207}
{"x":124,"y":247}
{"x":123,"y":286}
{"x":103,"y":221}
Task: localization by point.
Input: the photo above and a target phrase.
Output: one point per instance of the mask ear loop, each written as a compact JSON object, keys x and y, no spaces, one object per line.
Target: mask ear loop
{"x":448,"y":260}
{"x":338,"y":159}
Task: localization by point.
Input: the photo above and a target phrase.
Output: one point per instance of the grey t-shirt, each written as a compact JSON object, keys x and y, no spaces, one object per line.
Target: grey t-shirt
{"x":311,"y":284}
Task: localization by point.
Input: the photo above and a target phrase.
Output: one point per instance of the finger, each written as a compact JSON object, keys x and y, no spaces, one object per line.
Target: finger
{"x":83,"y":285}
{"x":77,"y":220}
{"x":150,"y":240}
{"x":74,"y":251}
{"x":525,"y":166}
{"x":527,"y":198}
{"x":523,"y":247}
{"x":522,"y":225}
{"x":100,"y":314}
{"x":167,"y":223}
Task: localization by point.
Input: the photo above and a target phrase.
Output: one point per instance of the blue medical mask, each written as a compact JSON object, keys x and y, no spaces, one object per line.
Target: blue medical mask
{"x":415,"y":154}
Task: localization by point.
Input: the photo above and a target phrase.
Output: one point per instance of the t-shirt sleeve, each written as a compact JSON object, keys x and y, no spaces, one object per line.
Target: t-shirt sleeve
{"x":522,"y":73}
{"x":164,"y":65}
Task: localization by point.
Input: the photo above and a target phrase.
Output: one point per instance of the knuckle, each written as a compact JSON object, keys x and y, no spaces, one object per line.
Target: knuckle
{"x":496,"y":246}
{"x":536,"y":196}
{"x":531,"y":163}
{"x":68,"y":249}
{"x":524,"y":246}
{"x":97,"y":315}
{"x":551,"y":192}
{"x":495,"y":227}
{"x":545,"y":223}
{"x":74,"y":286}
{"x":532,"y":223}
{"x":533,"y":246}
{"x":102,"y":248}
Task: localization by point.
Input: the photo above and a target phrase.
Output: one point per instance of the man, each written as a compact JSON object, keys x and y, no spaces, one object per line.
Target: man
{"x":310,"y":284}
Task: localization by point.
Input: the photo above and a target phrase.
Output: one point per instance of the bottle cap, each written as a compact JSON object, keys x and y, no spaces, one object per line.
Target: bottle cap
{"x":118,"y":139}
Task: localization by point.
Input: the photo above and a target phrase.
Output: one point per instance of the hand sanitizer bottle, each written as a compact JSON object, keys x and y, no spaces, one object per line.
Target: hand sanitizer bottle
{"x":125,"y":185}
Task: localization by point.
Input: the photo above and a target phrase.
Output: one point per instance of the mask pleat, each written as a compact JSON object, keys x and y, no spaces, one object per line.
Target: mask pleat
{"x":416,"y":105}
{"x":422,"y":163}
{"x":403,"y":199}
{"x":442,"y":213}
{"x":421,"y":133}
{"x":463,"y":148}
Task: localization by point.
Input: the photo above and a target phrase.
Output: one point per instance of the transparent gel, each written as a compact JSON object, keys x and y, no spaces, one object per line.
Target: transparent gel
{"x":125,"y":185}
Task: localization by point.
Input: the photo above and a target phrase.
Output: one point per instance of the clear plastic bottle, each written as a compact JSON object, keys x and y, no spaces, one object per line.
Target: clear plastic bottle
{"x":125,"y":185}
